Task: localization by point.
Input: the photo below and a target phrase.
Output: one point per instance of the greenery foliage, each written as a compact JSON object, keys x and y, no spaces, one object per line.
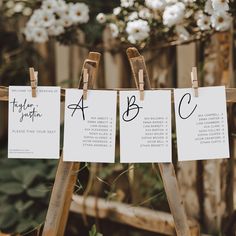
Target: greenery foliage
{"x":25,"y":187}
{"x":93,"y":232}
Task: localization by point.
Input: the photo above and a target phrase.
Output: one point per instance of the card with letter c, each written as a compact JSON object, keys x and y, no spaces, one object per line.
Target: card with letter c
{"x":201,"y":124}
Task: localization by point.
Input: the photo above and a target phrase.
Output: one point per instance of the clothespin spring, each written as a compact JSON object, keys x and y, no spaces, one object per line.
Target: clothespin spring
{"x":85,"y":83}
{"x":33,"y":81}
{"x":141,"y":84}
{"x":194,"y":81}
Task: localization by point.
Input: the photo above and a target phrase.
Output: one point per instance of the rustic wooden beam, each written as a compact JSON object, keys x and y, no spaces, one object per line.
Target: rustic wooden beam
{"x":230,"y":93}
{"x":66,"y":176}
{"x":166,"y":169}
{"x":138,"y":217}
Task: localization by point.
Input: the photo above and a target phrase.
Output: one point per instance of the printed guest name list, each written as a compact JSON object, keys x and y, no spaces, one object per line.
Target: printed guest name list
{"x":90,"y":126}
{"x":145,"y":127}
{"x":201,"y":124}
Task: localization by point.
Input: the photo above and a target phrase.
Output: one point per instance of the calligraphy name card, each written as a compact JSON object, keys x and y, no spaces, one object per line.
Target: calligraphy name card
{"x":201,"y":123}
{"x":145,"y":127}
{"x":90,"y":126}
{"x":34,"y":123}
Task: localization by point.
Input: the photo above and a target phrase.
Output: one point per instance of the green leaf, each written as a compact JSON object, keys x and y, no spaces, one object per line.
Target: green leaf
{"x":39,"y":191}
{"x":11,"y":188}
{"x":25,"y":174}
{"x":23,"y":206}
{"x":23,"y":226}
{"x":5,"y":174}
{"x":93,"y":231}
{"x":8,"y":219}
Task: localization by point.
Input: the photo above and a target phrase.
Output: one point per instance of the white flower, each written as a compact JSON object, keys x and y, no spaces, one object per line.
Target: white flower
{"x":133,"y":16}
{"x":28,"y":34}
{"x":116,"y":11}
{"x":155,"y":4}
{"x":48,"y":18}
{"x":145,"y":13}
{"x":220,"y":5}
{"x":49,"y":5}
{"x":56,"y":29}
{"x":40,"y":35}
{"x":10,"y":4}
{"x":63,"y":11}
{"x":27,"y":11}
{"x":127,"y":3}
{"x":131,"y":39}
{"x":208,"y":7}
{"x":61,"y":7}
{"x":204,"y":22}
{"x":101,"y":18}
{"x":221,"y":21}
{"x":18,"y":7}
{"x":114,"y":30}
{"x":173,"y":14}
{"x":79,"y":13}
{"x":170,"y":2}
{"x":189,"y":1}
{"x":36,"y":19}
{"x":37,"y":35}
{"x":66,"y":21}
{"x":137,"y":30}
{"x":182,"y":32}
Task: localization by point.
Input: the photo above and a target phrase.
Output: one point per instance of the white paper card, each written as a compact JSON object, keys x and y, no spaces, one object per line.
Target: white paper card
{"x":90,"y":126}
{"x":34,"y":123}
{"x":145,"y":127}
{"x":201,"y":123}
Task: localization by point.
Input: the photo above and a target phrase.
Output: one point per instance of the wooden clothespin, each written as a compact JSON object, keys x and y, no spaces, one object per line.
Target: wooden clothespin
{"x":85,"y":83}
{"x":141,"y":84}
{"x":33,"y":81}
{"x":194,"y":81}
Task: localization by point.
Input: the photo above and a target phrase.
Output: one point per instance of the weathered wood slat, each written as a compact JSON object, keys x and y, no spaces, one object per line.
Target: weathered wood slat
{"x":230,"y":93}
{"x":167,"y":170}
{"x":138,"y":217}
{"x":66,"y":176}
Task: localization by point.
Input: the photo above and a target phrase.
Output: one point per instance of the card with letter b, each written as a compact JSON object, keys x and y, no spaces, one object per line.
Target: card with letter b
{"x":145,"y":127}
{"x":201,"y":123}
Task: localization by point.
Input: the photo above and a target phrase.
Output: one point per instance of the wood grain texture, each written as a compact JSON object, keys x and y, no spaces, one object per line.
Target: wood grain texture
{"x":167,"y":170}
{"x":66,"y":176}
{"x":138,"y":217}
{"x":230,"y":93}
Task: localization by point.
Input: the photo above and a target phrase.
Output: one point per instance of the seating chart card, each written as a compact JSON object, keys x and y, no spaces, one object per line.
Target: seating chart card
{"x":90,"y":126}
{"x":34,"y":123}
{"x":201,"y":123}
{"x":145,"y":127}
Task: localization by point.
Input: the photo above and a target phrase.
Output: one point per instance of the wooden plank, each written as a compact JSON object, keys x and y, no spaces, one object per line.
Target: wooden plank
{"x":230,"y":93}
{"x":66,"y":176}
{"x":167,"y":170}
{"x":57,"y":199}
{"x":138,"y":217}
{"x":187,"y":171}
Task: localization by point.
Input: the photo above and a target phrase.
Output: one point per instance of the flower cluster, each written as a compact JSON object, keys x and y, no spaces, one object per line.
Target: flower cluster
{"x":54,"y":18}
{"x":13,"y":7}
{"x":139,"y":22}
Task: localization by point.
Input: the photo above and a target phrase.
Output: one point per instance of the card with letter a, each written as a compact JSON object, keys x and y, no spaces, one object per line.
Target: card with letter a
{"x":90,"y":126}
{"x":34,"y":123}
{"x":201,"y":123}
{"x":145,"y":127}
